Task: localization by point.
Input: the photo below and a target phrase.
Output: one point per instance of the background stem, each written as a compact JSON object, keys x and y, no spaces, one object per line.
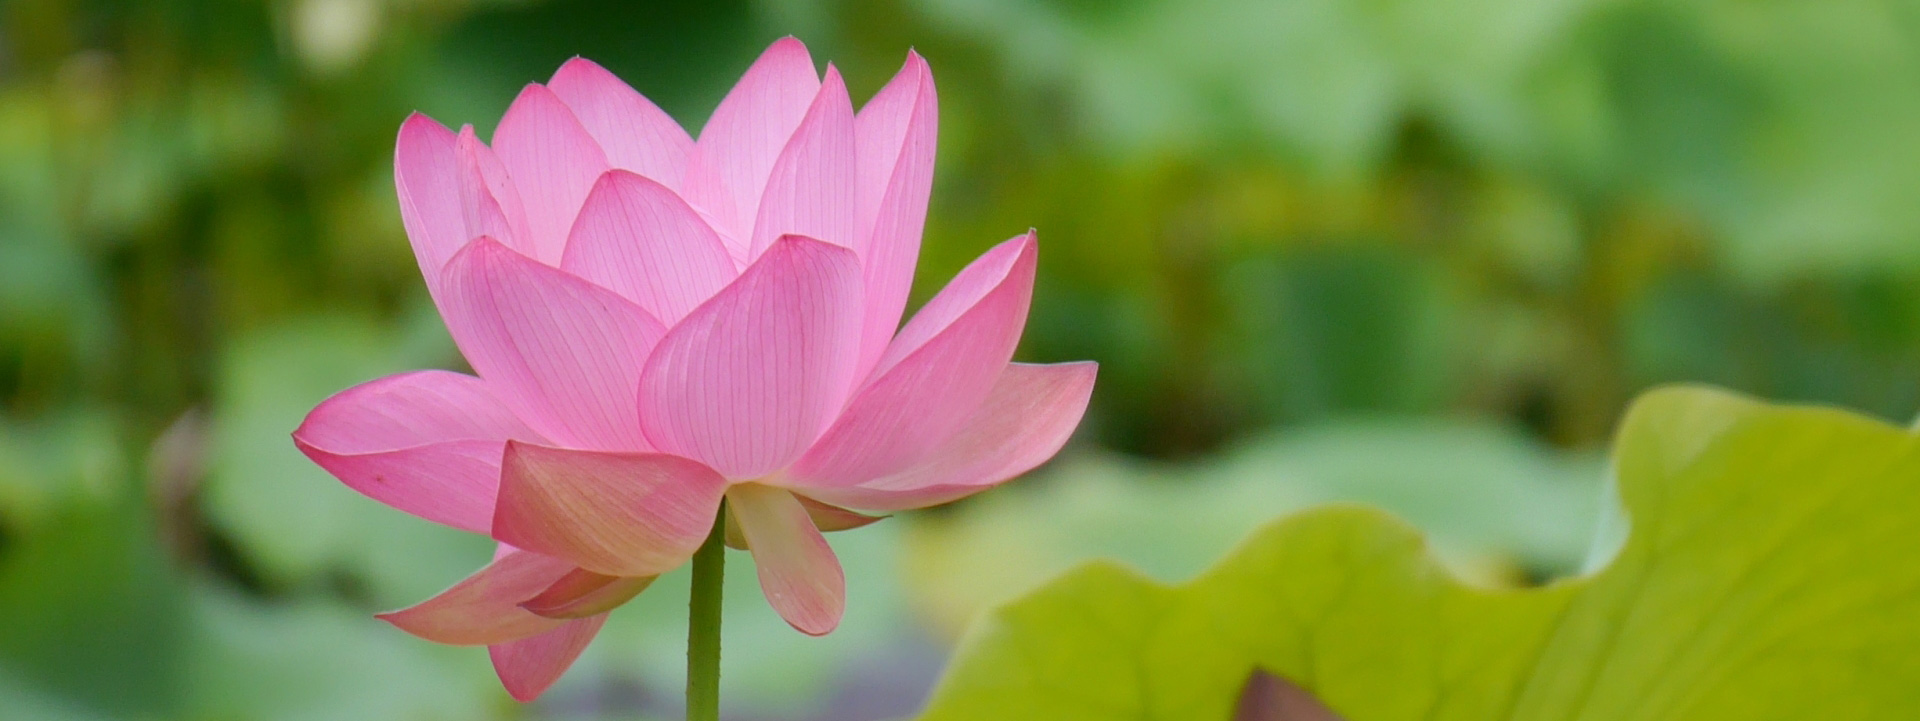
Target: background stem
{"x":703,"y":623}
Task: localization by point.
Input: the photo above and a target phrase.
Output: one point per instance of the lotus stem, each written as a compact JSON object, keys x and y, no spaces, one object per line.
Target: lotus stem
{"x":703,"y":623}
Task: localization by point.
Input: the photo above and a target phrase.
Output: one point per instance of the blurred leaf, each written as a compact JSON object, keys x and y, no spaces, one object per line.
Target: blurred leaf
{"x":51,"y":464}
{"x":1490,"y":498}
{"x":100,"y":627}
{"x":1764,"y":577}
{"x":92,"y":613}
{"x":1345,"y":331}
{"x":287,"y":514}
{"x":316,"y":660}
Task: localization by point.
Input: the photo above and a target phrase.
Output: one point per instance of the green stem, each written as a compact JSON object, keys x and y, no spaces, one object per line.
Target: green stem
{"x":703,"y":623}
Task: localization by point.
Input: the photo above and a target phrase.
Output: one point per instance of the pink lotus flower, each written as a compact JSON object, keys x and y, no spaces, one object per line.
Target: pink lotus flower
{"x":658,"y":323}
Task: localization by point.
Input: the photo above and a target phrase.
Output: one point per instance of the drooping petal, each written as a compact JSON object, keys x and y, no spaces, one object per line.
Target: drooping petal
{"x":490,"y":203}
{"x":563,"y":353}
{"x":635,"y":133}
{"x":584,"y":593}
{"x":895,"y":136}
{"x":553,"y":162}
{"x":426,"y":174}
{"x":798,"y":572}
{"x":811,"y":189}
{"x":941,"y":369}
{"x":737,"y":148}
{"x":427,"y":443}
{"x":617,"y":514}
{"x":529,"y":666}
{"x":828,"y":518}
{"x":637,"y":238}
{"x":1028,"y":416}
{"x":485,"y":607}
{"x":749,"y":379}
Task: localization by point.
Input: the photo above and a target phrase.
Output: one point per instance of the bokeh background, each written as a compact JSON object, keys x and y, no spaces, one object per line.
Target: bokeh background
{"x":1417,"y":253}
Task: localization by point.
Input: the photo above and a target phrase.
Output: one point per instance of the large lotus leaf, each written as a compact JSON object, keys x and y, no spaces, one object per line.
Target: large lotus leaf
{"x":1767,"y":574}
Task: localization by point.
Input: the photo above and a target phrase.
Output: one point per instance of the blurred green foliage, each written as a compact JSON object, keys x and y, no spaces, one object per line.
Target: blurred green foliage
{"x":1764,"y":577}
{"x":1304,"y":238}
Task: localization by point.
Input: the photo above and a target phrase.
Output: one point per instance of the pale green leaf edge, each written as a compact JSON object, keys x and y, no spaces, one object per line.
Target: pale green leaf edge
{"x":1769,"y":573}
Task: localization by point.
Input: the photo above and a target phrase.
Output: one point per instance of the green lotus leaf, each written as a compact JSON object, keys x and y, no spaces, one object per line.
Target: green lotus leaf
{"x":1768,"y":573}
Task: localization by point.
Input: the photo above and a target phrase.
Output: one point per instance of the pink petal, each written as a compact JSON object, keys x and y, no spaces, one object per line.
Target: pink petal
{"x":634,"y":132}
{"x":618,"y":514}
{"x":748,"y":380}
{"x":810,"y":190}
{"x":449,"y":483}
{"x":738,"y":147}
{"x":426,"y":174}
{"x":895,"y":135}
{"x":427,"y":443}
{"x":798,"y":571}
{"x":485,"y":607}
{"x":529,"y":666}
{"x":409,"y":409}
{"x":584,"y":593}
{"x":563,"y":353}
{"x":1031,"y":412}
{"x":827,"y":518}
{"x":553,"y":162}
{"x":490,"y":203}
{"x":637,"y":238}
{"x":1014,"y":257}
{"x":934,"y":377}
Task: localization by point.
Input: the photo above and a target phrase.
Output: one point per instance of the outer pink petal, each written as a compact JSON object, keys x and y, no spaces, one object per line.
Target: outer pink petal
{"x":409,"y":409}
{"x":450,"y":483}
{"x":749,"y":379}
{"x":926,"y":389}
{"x":563,"y":353}
{"x":490,"y":203}
{"x":553,"y":162}
{"x":583,"y":593}
{"x":736,"y":151}
{"x":810,"y":191}
{"x":895,"y":134}
{"x":617,"y":514}
{"x":426,"y":174}
{"x":528,"y":667}
{"x":427,"y":443}
{"x":1031,"y":412}
{"x":634,"y":132}
{"x":798,"y":571}
{"x":485,"y":607}
{"x":637,"y":238}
